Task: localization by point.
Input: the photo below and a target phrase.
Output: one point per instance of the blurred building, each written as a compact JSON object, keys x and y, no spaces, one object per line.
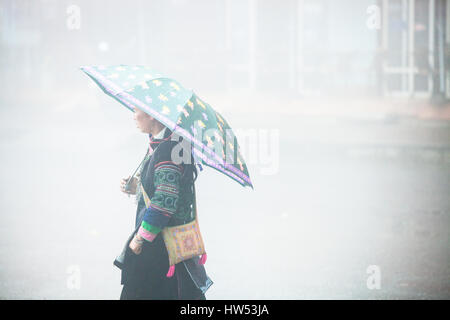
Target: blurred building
{"x":294,"y":47}
{"x":415,"y":48}
{"x":346,"y":47}
{"x":303,"y":47}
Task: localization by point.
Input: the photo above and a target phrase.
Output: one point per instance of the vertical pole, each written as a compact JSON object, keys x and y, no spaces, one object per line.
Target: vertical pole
{"x":447,"y":18}
{"x":404,"y":75}
{"x":441,"y":49}
{"x":431,"y":46}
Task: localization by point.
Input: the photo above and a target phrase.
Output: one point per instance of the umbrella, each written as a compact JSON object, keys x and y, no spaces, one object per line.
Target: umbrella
{"x":180,"y":109}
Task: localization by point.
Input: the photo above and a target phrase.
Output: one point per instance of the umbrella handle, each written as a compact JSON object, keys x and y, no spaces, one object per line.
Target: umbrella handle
{"x":129,"y":180}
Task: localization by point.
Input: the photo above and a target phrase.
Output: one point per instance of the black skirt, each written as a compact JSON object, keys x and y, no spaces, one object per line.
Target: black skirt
{"x":144,"y":276}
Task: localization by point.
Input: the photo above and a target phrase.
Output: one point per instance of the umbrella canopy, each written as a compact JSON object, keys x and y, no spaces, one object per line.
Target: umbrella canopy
{"x":180,"y":109}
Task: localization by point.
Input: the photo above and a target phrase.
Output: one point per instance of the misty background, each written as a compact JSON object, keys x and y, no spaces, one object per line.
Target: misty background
{"x":349,"y":104}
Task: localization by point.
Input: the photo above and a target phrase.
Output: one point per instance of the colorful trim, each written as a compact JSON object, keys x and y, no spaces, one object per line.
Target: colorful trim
{"x":170,"y":165}
{"x":146,"y":234}
{"x":154,"y":221}
{"x":150,"y":228}
{"x":162,"y":210}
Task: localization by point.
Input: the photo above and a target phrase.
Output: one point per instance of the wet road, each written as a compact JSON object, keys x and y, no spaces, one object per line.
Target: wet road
{"x":311,"y":230}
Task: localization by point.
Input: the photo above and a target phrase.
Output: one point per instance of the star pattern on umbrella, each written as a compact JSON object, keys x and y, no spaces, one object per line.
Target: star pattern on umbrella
{"x":175,"y":86}
{"x":200,"y":103}
{"x":165,"y":110}
{"x":201,"y":124}
{"x":163,"y":97}
{"x":144,"y":85}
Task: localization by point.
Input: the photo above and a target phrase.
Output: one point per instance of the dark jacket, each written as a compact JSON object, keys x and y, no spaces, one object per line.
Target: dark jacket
{"x":157,"y":261}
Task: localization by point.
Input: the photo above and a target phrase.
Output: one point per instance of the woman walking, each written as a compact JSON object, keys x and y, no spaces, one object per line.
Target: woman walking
{"x":166,"y":216}
{"x":170,"y":187}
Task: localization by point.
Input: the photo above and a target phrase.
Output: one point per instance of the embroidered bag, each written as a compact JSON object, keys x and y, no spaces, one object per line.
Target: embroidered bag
{"x":182,"y":242}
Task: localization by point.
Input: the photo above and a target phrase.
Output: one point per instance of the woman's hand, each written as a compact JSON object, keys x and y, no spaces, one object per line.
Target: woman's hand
{"x":136,"y":244}
{"x":131,"y":186}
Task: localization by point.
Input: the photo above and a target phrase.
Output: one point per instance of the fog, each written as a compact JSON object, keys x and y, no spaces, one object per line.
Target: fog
{"x":350,"y":169}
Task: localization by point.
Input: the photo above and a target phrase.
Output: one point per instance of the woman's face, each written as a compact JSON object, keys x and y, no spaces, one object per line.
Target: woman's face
{"x":143,"y":121}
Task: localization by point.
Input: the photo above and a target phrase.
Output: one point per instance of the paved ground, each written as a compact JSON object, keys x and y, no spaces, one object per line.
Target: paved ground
{"x":348,"y":194}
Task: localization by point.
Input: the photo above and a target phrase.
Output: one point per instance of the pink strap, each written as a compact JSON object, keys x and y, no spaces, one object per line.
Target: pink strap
{"x":171,"y":271}
{"x":202,"y":259}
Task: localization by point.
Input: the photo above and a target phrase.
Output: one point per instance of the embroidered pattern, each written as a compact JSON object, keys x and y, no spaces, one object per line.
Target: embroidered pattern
{"x":185,"y":241}
{"x":164,"y":201}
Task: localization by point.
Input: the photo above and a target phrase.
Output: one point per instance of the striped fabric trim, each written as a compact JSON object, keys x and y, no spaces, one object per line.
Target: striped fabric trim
{"x":150,"y":228}
{"x":146,"y":234}
{"x":167,"y":187}
{"x":169,"y":165}
{"x":162,"y":209}
{"x":167,"y":190}
{"x":157,"y":209}
{"x":156,"y":218}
